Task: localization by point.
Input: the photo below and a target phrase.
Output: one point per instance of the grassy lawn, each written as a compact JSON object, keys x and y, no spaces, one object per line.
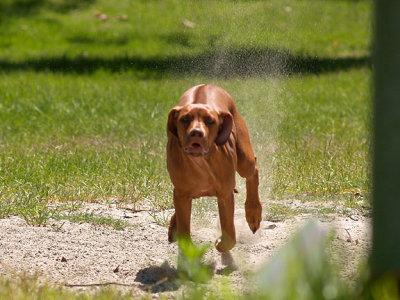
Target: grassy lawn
{"x":85,"y":88}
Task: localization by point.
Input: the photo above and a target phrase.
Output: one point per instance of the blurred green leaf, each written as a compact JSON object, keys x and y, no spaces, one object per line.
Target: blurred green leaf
{"x":190,"y":262}
{"x":301,"y":269}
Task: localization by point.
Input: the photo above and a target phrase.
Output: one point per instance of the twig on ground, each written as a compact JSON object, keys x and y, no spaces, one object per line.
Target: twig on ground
{"x":350,"y":240}
{"x":97,"y":284}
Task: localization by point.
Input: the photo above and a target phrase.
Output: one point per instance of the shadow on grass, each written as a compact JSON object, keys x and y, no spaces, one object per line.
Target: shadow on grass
{"x":84,"y":40}
{"x":221,"y":64}
{"x":19,"y":8}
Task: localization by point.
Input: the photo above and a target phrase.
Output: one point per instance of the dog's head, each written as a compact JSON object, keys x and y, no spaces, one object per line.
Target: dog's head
{"x":198,"y":126}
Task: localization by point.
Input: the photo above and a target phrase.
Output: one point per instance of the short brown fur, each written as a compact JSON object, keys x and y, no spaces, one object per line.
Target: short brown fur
{"x":208,"y":142}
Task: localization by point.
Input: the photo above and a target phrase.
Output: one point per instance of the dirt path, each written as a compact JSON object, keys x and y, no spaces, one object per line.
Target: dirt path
{"x":139,"y":256}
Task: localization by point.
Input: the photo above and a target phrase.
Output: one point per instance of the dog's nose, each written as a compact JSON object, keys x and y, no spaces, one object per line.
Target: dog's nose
{"x":196,"y":132}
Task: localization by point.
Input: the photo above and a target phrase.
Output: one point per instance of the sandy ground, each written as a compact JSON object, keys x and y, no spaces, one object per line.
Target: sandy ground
{"x":139,"y":258}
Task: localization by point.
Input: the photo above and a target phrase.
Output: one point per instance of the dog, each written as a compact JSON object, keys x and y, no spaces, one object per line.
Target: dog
{"x":208,"y":141}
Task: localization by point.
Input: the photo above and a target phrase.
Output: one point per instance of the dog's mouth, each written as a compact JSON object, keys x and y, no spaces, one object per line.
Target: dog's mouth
{"x":195,"y":149}
{"x":196,"y":146}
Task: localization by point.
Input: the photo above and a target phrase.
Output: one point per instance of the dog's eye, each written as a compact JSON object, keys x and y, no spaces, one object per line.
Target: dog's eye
{"x":186,"y":119}
{"x":209,"y":121}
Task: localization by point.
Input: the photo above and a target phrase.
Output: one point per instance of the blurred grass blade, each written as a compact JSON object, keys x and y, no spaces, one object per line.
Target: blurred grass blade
{"x":190,"y":262}
{"x":301,"y":270}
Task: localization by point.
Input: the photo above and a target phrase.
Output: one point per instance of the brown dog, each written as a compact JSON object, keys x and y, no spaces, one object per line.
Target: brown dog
{"x":208,"y":142}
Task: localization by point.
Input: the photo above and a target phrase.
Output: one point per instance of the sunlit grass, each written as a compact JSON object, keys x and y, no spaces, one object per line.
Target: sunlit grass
{"x":154,"y":28}
{"x":25,"y":287}
{"x":323,"y":140}
{"x":83,"y":101}
{"x":86,"y":86}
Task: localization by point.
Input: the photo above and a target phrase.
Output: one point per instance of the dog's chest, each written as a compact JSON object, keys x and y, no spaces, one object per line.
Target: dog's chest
{"x":204,"y":178}
{"x":207,"y":175}
{"x":202,"y":174}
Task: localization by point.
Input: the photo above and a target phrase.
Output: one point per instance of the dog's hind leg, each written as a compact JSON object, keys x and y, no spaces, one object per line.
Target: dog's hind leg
{"x":172,"y":229}
{"x":247,"y":168}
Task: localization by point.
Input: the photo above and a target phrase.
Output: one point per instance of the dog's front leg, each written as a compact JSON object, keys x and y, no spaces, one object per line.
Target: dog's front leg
{"x":179,"y":227}
{"x":253,"y":205}
{"x":226,"y":206}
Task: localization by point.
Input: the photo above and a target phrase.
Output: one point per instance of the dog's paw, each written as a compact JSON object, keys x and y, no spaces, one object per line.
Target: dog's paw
{"x":171,"y":234}
{"x":253,"y":217}
{"x":224,"y":244}
{"x":172,"y":229}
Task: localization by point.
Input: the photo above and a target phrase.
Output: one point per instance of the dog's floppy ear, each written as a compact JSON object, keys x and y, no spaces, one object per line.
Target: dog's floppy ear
{"x":173,"y":114}
{"x":225,"y":128}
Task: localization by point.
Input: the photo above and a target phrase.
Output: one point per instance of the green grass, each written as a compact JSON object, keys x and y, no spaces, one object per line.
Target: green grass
{"x":84,"y":102}
{"x":337,"y":28}
{"x":29,"y":288}
{"x":324,"y":136}
{"x":278,"y":212}
{"x":94,"y":219}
